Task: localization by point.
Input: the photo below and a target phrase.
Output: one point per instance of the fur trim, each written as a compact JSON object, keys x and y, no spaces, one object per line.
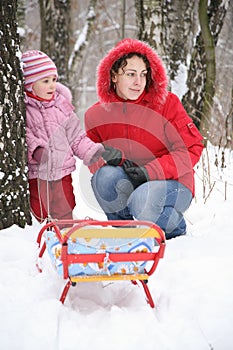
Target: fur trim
{"x":158,"y":90}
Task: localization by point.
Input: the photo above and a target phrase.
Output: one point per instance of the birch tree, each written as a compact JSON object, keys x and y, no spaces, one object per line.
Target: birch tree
{"x":14,"y":198}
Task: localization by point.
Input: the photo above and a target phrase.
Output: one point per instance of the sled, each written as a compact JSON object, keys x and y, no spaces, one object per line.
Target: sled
{"x":92,"y":250}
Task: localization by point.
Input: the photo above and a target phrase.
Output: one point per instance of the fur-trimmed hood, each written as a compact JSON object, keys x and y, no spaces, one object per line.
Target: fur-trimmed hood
{"x":158,"y":89}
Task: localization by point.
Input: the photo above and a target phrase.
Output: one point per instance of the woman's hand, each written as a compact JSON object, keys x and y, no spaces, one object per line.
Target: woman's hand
{"x":137,"y":175}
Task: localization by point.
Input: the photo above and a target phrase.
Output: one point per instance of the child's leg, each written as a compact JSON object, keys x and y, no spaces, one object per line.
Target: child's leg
{"x":38,"y":199}
{"x":62,"y":201}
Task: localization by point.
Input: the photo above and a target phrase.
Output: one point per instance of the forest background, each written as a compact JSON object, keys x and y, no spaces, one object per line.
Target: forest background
{"x":193,"y":38}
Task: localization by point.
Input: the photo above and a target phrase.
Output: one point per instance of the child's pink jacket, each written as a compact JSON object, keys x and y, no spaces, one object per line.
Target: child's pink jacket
{"x":54,"y":126}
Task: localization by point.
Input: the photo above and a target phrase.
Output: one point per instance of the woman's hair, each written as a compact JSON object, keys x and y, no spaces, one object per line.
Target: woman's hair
{"x":122,"y":62}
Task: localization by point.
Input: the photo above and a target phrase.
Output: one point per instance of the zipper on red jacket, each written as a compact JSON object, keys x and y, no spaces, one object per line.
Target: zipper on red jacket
{"x":124,"y":108}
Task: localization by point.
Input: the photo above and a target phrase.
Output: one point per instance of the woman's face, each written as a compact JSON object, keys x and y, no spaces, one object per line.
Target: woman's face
{"x":130,"y":81}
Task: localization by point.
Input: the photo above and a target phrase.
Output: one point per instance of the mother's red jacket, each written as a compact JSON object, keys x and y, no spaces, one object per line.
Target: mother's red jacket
{"x":154,"y":131}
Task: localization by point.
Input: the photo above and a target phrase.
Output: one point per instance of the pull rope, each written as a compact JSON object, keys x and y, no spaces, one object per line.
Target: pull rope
{"x":47,"y":191}
{"x":49,"y":217}
{"x":40,"y":199}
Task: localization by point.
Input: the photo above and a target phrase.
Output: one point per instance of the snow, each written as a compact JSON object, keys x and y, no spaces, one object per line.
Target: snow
{"x":178,"y":85}
{"x":192,"y":285}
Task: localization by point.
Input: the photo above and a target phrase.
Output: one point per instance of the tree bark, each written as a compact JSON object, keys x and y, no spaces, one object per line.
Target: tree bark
{"x":149,"y":19}
{"x":14,"y":198}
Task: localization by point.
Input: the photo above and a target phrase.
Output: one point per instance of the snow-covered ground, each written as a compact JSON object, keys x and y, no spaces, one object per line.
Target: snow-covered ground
{"x":192,"y":286}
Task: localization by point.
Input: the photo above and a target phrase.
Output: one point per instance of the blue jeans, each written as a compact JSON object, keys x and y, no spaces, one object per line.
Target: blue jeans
{"x":162,"y":202}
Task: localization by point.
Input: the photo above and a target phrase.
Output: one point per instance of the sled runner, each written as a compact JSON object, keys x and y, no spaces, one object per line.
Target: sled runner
{"x":91,"y":250}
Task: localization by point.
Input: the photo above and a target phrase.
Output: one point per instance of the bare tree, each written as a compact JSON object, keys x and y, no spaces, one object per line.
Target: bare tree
{"x":83,"y":37}
{"x":229,"y":124}
{"x":14,"y":201}
{"x":55,"y":32}
{"x":76,"y":60}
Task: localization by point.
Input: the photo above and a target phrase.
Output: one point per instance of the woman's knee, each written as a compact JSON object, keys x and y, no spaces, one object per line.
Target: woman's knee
{"x":110,"y":179}
{"x":103,"y":177}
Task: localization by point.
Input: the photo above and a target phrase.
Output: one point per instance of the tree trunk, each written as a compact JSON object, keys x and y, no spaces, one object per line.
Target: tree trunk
{"x":55,"y":29}
{"x":210,"y":67}
{"x":14,"y":199}
{"x":77,"y":61}
{"x":82,"y":40}
{"x":201,"y":81}
{"x":149,"y":20}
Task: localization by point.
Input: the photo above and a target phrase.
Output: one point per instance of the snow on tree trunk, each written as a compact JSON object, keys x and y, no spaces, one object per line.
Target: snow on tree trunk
{"x":14,"y":199}
{"x":82,"y":40}
{"x":77,"y":58}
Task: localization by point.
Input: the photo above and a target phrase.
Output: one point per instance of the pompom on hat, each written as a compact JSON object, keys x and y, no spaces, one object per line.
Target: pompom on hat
{"x":36,"y":65}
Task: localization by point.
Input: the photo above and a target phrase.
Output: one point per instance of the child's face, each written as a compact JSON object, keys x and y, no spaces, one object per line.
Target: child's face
{"x":45,"y":87}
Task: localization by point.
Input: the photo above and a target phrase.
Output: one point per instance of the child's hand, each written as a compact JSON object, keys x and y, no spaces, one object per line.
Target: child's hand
{"x":112,"y":156}
{"x":96,"y":156}
{"x":40,"y":155}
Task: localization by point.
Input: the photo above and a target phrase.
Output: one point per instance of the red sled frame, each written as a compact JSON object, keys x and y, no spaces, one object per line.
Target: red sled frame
{"x":122,"y":229}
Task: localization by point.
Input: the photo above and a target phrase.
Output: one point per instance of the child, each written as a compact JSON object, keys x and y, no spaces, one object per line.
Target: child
{"x":54,"y":137}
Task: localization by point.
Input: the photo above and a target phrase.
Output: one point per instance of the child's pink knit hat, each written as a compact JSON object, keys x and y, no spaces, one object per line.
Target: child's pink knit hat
{"x":36,"y":65}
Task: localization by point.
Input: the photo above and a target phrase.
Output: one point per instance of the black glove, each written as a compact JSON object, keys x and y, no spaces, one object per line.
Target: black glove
{"x":137,"y":175}
{"x":112,"y":156}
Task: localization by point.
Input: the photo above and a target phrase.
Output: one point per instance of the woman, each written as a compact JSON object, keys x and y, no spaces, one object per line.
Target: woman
{"x":151,"y":144}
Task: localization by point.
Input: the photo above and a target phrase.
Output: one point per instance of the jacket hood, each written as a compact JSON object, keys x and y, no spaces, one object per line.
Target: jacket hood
{"x":157,"y":92}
